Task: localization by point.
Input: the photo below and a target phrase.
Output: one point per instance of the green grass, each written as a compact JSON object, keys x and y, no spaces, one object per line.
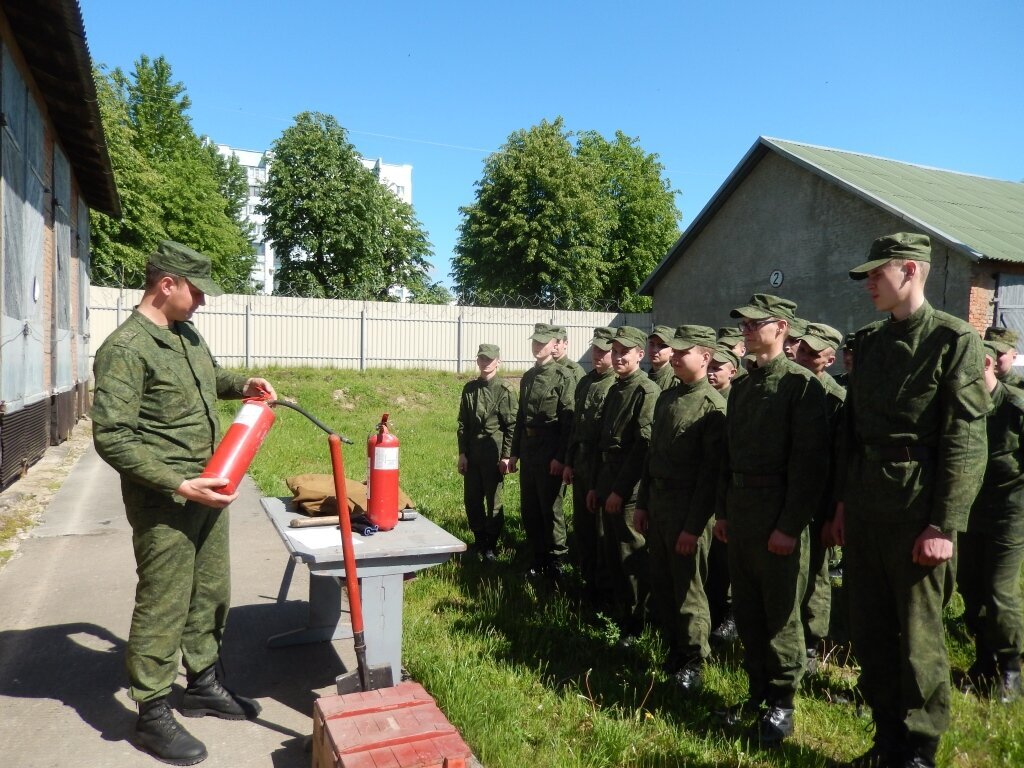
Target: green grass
{"x":531,"y":677}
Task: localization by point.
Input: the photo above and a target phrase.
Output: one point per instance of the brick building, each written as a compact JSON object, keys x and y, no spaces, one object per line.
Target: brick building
{"x":791,"y":219}
{"x":54,"y":167}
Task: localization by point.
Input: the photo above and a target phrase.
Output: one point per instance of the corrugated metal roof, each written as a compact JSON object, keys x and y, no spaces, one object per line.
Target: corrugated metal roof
{"x":981,"y":217}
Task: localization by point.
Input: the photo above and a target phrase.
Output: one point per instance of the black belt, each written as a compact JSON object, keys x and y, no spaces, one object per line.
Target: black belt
{"x":899,"y":453}
{"x":742,"y":480}
{"x":671,"y":484}
{"x":536,"y":431}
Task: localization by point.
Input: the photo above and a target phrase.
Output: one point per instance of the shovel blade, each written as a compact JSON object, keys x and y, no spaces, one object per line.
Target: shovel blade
{"x":377,"y":676}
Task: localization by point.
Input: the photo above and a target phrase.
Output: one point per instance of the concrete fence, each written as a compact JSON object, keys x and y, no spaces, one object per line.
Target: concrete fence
{"x":258,"y":331}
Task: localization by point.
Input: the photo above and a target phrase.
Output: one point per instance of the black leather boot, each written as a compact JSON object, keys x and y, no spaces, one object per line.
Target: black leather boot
{"x":205,"y":695}
{"x":920,"y":751}
{"x":158,"y":733}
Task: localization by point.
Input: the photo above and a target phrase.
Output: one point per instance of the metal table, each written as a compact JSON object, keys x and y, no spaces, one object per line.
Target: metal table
{"x":382,"y":561}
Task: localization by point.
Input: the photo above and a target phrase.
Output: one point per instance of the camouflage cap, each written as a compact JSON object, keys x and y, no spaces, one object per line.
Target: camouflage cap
{"x":180,"y":260}
{"x":730,"y":335}
{"x":560,"y":332}
{"x":763,"y":305}
{"x":490,"y":351}
{"x":628,"y":336}
{"x":723,"y":354}
{"x":994,"y":349}
{"x":603,"y":336}
{"x":1004,"y":339}
{"x":687,"y":336}
{"x":543,"y":333}
{"x":902,"y":245}
{"x":819,"y":336}
{"x":797,"y":327}
{"x":663,"y":332}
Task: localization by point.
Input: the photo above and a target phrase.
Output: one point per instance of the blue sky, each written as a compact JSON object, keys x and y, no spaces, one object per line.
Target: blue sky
{"x":440,"y":85}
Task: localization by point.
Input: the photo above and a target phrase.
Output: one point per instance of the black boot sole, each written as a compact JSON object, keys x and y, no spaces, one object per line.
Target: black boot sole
{"x":171,"y":761}
{"x":252,"y":711}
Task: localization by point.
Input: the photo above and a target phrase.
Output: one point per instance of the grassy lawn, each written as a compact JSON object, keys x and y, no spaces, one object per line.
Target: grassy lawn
{"x":530,"y":676}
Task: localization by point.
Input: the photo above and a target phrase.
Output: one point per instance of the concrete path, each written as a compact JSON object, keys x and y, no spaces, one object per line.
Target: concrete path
{"x":65,"y":607}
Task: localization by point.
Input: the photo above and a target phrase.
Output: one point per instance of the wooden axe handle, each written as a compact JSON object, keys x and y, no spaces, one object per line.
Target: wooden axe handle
{"x":310,"y":522}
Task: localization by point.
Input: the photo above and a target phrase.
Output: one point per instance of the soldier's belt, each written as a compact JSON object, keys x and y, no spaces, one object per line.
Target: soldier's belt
{"x":538,"y":431}
{"x":741,"y":480}
{"x":671,"y":484}
{"x":898,"y":453}
{"x":613,"y":456}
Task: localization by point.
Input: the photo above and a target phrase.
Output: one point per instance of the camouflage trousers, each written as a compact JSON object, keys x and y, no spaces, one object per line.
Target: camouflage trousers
{"x":482,"y":493}
{"x":816,"y":607}
{"x":183,"y":592}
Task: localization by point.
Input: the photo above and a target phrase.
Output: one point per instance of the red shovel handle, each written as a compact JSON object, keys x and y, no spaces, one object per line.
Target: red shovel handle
{"x":351,"y":580}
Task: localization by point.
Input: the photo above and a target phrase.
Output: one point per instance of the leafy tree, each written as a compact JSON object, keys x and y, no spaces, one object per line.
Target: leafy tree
{"x":572,"y":224}
{"x":171,"y":186}
{"x":337,"y":231}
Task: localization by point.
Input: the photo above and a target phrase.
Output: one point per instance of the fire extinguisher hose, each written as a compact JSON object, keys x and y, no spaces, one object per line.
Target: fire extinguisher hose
{"x":311,"y":417}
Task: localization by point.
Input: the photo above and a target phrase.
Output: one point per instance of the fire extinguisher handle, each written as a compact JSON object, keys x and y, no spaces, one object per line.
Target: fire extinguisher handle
{"x":311,"y":417}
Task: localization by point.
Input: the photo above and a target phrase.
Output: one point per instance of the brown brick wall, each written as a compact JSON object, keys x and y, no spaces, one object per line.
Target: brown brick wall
{"x":982,"y":294}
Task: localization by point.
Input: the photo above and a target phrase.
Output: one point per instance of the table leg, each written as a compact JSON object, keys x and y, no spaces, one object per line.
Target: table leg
{"x":382,"y":621}
{"x":324,"y":621}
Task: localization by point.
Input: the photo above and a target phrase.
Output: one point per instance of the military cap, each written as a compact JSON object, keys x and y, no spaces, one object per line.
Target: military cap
{"x":560,"y":331}
{"x":848,"y":342}
{"x":797,"y":327}
{"x":763,"y":305}
{"x":723,"y":354}
{"x":543,"y":333}
{"x":490,"y":351}
{"x":628,"y":336}
{"x":180,"y":260}
{"x":993,"y":350}
{"x":730,"y":335}
{"x":687,"y":336}
{"x":819,"y":336}
{"x":603,"y":337}
{"x":1004,"y":339}
{"x":902,"y":245}
{"x":663,"y":332}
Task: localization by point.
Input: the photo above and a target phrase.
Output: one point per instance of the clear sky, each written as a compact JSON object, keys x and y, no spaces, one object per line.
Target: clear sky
{"x":440,"y":85}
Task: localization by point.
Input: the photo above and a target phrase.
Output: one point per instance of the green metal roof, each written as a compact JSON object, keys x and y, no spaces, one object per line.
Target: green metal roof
{"x":981,"y":217}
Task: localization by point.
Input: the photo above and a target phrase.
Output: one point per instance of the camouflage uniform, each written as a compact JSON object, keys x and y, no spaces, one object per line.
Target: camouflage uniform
{"x":155,"y":422}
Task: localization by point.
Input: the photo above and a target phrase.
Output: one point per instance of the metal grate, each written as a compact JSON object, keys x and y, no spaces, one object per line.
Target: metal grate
{"x":24,"y":437}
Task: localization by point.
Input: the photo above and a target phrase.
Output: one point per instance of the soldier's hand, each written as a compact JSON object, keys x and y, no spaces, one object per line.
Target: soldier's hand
{"x":203,"y":491}
{"x":932,"y":547}
{"x":555,"y":468}
{"x":781,"y":544}
{"x":593,"y":502}
{"x":568,"y":475}
{"x":686,"y":544}
{"x":256,"y":387}
{"x":640,"y":521}
{"x":721,"y":531}
{"x":463,"y":464}
{"x":507,"y":466}
{"x":836,"y":529}
{"x":613,"y":504}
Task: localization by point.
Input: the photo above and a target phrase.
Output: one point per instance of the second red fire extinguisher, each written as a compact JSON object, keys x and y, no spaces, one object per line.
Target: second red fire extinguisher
{"x":382,"y":480}
{"x":238,"y":448}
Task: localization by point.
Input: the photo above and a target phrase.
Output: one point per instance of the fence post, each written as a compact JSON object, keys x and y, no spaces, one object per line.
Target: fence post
{"x":248,"y":334}
{"x":120,"y":305}
{"x":362,"y":339}
{"x":458,"y":344}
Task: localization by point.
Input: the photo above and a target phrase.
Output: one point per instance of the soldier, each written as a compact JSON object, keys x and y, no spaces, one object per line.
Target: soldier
{"x":676,"y":501}
{"x":625,"y":435}
{"x":816,"y":352}
{"x":797,"y":328}
{"x":776,"y":459}
{"x":914,"y":452}
{"x":722,"y":371}
{"x":990,"y":551}
{"x":658,"y":354}
{"x":155,"y":421}
{"x":730,"y":336}
{"x":540,"y":440}
{"x":583,"y":458}
{"x":1005,"y":343}
{"x":487,"y":416}
{"x":562,"y":353}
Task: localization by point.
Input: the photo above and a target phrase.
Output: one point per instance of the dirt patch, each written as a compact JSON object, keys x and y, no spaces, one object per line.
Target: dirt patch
{"x":26,"y":499}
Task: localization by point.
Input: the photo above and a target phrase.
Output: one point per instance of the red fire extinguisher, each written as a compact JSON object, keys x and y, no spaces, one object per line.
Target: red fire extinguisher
{"x":382,"y":481}
{"x":240,"y":444}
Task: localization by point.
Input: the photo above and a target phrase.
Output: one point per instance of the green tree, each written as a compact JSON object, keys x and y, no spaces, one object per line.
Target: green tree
{"x":176,"y":188}
{"x":646,"y":220}
{"x":573,"y":224}
{"x":337,"y":231}
{"x":538,"y":225}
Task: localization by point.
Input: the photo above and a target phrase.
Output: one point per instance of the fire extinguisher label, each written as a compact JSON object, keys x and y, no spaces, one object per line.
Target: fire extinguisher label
{"x":248,"y":415}
{"x":385,"y":458}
